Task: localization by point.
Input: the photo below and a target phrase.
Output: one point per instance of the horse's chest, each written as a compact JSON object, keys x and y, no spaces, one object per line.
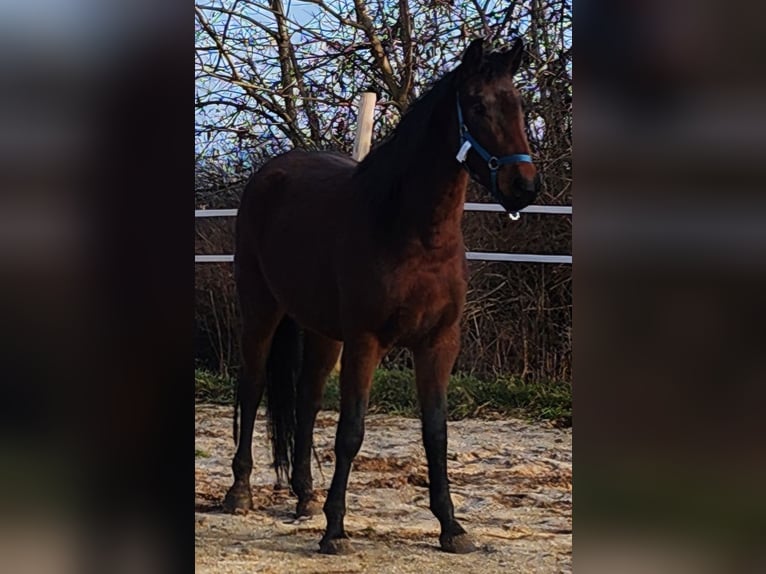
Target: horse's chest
{"x":423,"y":305}
{"x":429,"y":295}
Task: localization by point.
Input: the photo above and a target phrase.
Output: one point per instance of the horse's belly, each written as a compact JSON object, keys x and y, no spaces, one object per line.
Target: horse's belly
{"x":320,"y":319}
{"x":305,"y":289}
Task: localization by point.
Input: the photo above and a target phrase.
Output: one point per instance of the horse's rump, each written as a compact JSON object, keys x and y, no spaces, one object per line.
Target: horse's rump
{"x":291,"y":214}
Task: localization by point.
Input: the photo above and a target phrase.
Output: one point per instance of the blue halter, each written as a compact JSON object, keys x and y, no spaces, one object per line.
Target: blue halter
{"x":467,"y":141}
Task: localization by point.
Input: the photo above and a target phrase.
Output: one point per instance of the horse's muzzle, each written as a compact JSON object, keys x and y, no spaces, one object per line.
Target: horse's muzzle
{"x":526,"y":189}
{"x":523,"y":192}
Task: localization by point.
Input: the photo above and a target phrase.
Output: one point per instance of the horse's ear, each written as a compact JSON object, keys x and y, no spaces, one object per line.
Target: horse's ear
{"x":514,"y":55}
{"x":472,"y":58}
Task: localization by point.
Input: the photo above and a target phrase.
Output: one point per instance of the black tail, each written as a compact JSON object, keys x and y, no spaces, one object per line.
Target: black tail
{"x":282,"y":371}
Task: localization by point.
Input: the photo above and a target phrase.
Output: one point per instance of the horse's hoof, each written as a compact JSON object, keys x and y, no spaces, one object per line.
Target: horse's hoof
{"x":336,"y":546}
{"x":457,"y":543}
{"x":238,"y":500}
{"x":310,"y":507}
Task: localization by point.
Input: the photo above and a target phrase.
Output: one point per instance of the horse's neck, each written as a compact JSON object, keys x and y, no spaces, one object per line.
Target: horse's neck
{"x":432,"y":198}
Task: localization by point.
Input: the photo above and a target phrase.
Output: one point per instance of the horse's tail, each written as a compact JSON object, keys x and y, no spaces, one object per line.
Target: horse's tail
{"x":282,"y":371}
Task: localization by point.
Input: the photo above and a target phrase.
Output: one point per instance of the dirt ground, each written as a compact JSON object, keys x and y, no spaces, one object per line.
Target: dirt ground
{"x":511,"y":483}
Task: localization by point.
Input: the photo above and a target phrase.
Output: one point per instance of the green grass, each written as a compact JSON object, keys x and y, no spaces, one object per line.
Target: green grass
{"x":393,"y":392}
{"x":213,"y":388}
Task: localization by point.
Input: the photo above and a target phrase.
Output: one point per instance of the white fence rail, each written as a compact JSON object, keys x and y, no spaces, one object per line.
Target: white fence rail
{"x":471,"y":255}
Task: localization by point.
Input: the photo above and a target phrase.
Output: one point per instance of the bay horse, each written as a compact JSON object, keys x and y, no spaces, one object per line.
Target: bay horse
{"x":369,"y":255}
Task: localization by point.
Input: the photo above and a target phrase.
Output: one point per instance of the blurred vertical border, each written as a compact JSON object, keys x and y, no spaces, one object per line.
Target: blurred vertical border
{"x":669,"y":283}
{"x":96,"y":288}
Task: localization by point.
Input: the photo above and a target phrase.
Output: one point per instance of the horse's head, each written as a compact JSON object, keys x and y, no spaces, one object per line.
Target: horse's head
{"x":493,"y":142}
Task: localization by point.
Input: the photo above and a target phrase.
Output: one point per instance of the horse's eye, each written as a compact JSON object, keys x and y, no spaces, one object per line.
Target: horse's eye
{"x":478,"y":108}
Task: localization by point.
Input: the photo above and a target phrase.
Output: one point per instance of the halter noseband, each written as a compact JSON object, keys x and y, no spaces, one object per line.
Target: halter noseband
{"x":467,"y":141}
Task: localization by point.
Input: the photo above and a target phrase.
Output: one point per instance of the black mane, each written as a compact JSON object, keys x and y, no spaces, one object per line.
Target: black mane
{"x":380,"y":172}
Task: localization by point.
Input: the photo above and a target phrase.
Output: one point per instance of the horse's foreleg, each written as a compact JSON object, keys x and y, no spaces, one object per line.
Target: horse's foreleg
{"x":360,"y":357}
{"x":320,"y":355}
{"x":433,"y":364}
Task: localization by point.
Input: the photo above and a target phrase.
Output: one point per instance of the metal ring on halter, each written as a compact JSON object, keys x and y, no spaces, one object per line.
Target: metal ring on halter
{"x":514,"y":215}
{"x":493,"y":163}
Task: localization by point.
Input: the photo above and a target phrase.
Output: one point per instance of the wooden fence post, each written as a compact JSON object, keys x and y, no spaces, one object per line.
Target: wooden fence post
{"x":364,"y":125}
{"x":362,"y":141}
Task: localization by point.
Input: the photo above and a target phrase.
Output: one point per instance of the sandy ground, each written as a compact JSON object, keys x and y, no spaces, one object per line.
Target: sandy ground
{"x":511,"y":483}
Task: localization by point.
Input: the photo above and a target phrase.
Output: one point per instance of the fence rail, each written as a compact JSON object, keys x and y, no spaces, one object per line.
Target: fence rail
{"x":471,"y":255}
{"x":492,"y":207}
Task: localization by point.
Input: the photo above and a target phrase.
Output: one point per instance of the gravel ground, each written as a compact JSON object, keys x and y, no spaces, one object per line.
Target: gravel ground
{"x":511,"y":483}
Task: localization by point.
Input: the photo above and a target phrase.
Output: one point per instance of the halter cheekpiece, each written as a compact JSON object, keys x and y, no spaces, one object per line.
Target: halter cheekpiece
{"x":467,"y":141}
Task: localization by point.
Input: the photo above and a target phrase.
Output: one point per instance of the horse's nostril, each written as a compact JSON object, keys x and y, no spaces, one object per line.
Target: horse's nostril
{"x":524,"y":185}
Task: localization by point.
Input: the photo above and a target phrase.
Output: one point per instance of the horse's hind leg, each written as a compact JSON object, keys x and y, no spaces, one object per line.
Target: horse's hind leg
{"x":319,"y":358}
{"x":260,"y":317}
{"x":433,"y":363}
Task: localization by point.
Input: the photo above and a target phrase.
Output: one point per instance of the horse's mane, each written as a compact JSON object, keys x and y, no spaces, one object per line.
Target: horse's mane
{"x":378,"y":175}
